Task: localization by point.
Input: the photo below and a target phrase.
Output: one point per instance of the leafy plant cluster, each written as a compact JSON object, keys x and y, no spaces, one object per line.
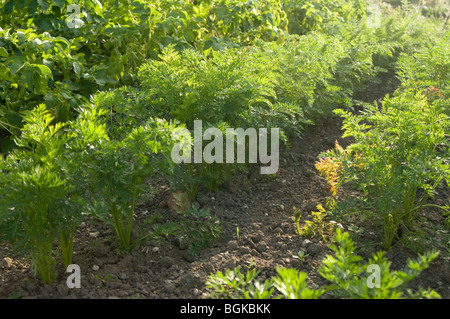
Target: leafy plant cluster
{"x":197,"y":229}
{"x":60,"y":174}
{"x":59,"y":53}
{"x":428,"y":71}
{"x":271,"y":85}
{"x":348,"y":275}
{"x":92,"y":110}
{"x":72,"y":159}
{"x":317,"y":226}
{"x":400,"y":155}
{"x":41,"y":193}
{"x":307,"y":16}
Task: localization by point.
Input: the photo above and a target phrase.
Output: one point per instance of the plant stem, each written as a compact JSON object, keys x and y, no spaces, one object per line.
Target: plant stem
{"x":44,"y":262}
{"x":67,"y":245}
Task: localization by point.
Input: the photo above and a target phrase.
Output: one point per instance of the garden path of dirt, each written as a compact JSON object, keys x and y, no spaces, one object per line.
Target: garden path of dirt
{"x":261,"y":207}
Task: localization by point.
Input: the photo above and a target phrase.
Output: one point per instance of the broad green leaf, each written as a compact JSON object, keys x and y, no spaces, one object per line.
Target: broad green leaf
{"x":77,"y":68}
{"x":21,"y":36}
{"x":59,"y":3}
{"x":43,"y":5}
{"x":63,"y":41}
{"x":17,"y":63}
{"x":3,"y":52}
{"x":140,"y":9}
{"x":189,"y":35}
{"x":8,"y":7}
{"x":44,"y":24}
{"x":39,"y":83}
{"x":45,"y":70}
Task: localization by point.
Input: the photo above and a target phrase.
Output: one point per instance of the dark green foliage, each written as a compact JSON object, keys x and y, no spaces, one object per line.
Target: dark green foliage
{"x":60,"y":52}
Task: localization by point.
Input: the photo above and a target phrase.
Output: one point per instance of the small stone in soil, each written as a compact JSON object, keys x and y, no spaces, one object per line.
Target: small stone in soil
{"x":203,"y":199}
{"x":7,"y":262}
{"x":244,"y":250}
{"x":230,"y":203}
{"x":195,"y":292}
{"x":310,"y":206}
{"x":63,"y":290}
{"x":232,"y":245}
{"x":189,"y":257}
{"x":208,"y":268}
{"x":306,"y":243}
{"x":94,"y":234}
{"x":261,"y":247}
{"x":314,"y":249}
{"x":278,"y":230}
{"x":166,"y":262}
{"x":230,"y":264}
{"x":257,"y":237}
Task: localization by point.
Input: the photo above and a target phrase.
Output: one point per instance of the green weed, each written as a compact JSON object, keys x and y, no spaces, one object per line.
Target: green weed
{"x":348,"y":277}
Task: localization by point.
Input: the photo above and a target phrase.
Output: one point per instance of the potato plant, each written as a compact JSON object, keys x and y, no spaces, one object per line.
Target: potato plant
{"x":307,"y":16}
{"x":60,"y":52}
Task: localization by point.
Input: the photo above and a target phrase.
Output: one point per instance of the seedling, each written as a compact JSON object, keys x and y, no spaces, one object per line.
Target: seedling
{"x":301,"y":255}
{"x":355,"y":229}
{"x":317,"y":226}
{"x":197,"y":228}
{"x":297,"y":217}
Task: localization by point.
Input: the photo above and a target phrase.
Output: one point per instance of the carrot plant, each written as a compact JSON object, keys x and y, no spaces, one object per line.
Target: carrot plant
{"x":397,"y":158}
{"x":116,"y":173}
{"x":267,"y":85}
{"x":225,"y":90}
{"x":315,"y":227}
{"x":41,"y":194}
{"x":348,"y":276}
{"x":428,"y":71}
{"x":351,"y":278}
{"x":233,"y":284}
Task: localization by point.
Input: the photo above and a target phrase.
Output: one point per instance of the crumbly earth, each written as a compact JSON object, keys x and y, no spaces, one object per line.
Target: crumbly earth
{"x":260,"y":207}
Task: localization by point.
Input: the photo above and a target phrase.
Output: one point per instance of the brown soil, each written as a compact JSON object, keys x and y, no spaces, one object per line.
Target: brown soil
{"x":261,"y":207}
